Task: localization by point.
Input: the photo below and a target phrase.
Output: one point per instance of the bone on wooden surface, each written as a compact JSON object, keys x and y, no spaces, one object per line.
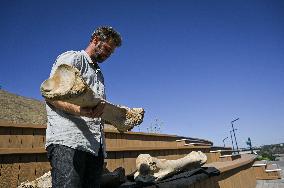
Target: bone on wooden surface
{"x":149,"y":166}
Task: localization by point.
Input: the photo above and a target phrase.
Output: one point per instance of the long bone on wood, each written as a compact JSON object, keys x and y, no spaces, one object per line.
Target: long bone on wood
{"x":67,"y":85}
{"x":151,"y":168}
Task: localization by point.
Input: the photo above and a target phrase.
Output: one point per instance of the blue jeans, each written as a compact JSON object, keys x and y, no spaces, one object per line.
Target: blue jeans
{"x":72,"y":168}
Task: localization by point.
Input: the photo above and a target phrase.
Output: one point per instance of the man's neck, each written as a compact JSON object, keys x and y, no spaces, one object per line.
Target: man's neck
{"x":89,"y":50}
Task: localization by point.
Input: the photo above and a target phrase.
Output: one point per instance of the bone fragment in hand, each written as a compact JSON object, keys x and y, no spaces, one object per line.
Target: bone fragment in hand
{"x":151,"y":168}
{"x":67,"y":85}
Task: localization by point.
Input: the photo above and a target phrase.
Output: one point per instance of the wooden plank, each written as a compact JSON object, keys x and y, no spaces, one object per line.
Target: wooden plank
{"x":123,"y":140}
{"x":241,"y":176}
{"x":8,"y":151}
{"x":38,"y":138}
{"x":9,"y":171}
{"x":151,"y":141}
{"x":110,"y":161}
{"x":110,"y":140}
{"x":167,"y":137}
{"x":238,"y":180}
{"x":133,"y":148}
{"x":126,"y":166}
{"x":134,"y":141}
{"x":143,"y":133}
{"x":42,"y":165}
{"x":228,"y":182}
{"x":118,"y":141}
{"x":118,"y":160}
{"x":208,"y":155}
{"x":111,"y":156}
{"x":156,"y":141}
{"x":243,"y":180}
{"x":118,"y":155}
{"x":27,"y":168}
{"x":226,"y":166}
{"x":250,"y":176}
{"x":4,"y":137}
{"x":15,"y":171}
{"x":171,"y":154}
{"x":27,"y":138}
{"x":15,"y":137}
{"x":4,"y":123}
{"x":131,"y":165}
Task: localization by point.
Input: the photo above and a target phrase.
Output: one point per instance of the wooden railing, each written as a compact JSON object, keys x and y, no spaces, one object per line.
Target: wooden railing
{"x":23,"y":157}
{"x":123,"y":149}
{"x":22,"y":153}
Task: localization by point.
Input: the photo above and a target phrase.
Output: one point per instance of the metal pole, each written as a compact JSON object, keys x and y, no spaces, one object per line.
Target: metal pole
{"x":224,"y":141}
{"x":232,"y":140}
{"x":234,"y":133}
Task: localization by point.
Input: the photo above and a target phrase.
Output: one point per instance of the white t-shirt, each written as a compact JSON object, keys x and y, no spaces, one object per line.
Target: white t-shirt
{"x":77,"y":132}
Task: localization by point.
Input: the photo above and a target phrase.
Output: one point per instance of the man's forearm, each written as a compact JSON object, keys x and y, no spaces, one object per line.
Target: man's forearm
{"x":65,"y":106}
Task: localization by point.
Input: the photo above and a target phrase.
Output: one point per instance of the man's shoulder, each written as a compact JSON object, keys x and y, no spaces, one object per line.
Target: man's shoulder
{"x":70,"y":57}
{"x":68,"y":54}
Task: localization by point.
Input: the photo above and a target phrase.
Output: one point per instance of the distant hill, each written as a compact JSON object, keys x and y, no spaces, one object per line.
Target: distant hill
{"x":18,"y":109}
{"x":273,"y":149}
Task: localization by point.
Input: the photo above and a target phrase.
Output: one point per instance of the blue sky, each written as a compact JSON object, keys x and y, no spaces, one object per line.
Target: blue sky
{"x":194,"y":65}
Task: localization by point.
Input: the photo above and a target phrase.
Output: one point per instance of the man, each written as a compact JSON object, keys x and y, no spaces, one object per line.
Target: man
{"x":74,"y":135}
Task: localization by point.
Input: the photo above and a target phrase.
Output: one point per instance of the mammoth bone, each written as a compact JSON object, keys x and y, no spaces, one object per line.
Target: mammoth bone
{"x":150,"y":168}
{"x":67,"y":85}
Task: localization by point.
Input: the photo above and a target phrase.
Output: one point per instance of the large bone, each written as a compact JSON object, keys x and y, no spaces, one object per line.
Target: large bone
{"x":42,"y":182}
{"x":151,"y":168}
{"x":67,"y":85}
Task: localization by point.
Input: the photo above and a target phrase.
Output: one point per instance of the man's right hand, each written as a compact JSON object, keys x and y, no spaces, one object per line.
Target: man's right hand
{"x":93,"y":112}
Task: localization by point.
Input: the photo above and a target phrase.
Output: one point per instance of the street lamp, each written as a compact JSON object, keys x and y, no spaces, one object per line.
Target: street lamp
{"x":232,"y":139}
{"x":232,"y":123}
{"x":224,"y":141}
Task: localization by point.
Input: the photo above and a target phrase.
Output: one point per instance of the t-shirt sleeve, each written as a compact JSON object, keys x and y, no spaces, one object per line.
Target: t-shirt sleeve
{"x":70,"y":58}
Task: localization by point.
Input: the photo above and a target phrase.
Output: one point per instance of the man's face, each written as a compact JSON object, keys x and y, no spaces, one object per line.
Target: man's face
{"x":103,"y":50}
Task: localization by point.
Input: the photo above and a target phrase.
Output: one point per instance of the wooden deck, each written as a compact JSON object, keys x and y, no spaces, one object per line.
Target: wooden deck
{"x":278,"y":183}
{"x":23,"y":157}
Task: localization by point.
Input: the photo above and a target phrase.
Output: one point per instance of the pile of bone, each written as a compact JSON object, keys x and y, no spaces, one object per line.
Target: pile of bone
{"x":41,"y":182}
